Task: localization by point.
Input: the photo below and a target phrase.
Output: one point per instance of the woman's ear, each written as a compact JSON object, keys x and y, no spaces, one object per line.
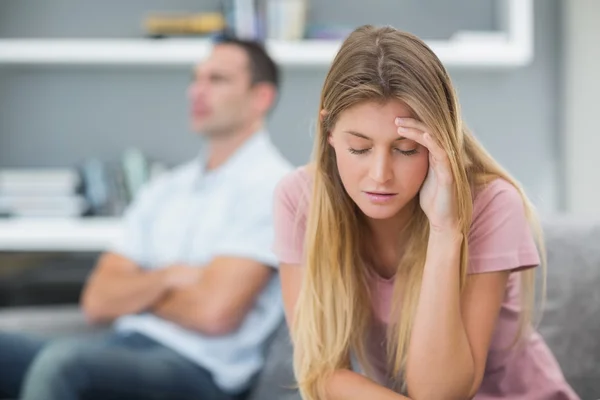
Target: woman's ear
{"x":322,"y":115}
{"x":330,"y":139}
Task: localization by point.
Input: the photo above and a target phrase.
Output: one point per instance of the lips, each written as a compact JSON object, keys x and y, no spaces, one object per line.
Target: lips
{"x":380,"y":197}
{"x":200,"y":110}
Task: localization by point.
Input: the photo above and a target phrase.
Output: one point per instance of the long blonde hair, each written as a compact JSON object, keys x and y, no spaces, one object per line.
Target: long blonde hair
{"x":333,"y":310}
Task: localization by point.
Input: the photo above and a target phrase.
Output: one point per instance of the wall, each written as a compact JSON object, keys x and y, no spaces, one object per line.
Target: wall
{"x":54,"y":116}
{"x":580,"y":128}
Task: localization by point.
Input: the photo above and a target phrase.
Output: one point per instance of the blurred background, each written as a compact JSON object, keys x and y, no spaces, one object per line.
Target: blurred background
{"x":93,"y":104}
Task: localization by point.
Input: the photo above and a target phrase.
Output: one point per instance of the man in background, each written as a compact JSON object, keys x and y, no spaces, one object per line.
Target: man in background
{"x":190,"y":287}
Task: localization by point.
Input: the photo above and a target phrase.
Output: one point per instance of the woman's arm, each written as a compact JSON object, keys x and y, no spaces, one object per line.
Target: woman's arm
{"x":440,"y":363}
{"x":348,"y":385}
{"x":343,"y":384}
{"x":452,"y":332}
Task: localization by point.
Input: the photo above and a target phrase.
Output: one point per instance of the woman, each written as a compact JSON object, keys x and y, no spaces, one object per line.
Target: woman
{"x":405,"y":246}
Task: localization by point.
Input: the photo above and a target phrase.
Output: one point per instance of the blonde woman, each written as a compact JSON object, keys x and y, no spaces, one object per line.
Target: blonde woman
{"x":404,"y":246}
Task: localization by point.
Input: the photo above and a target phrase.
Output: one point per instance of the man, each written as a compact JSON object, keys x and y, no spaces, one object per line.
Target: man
{"x":190,"y":286}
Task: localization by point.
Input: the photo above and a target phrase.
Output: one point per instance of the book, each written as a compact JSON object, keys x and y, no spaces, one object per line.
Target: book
{"x":43,"y":206}
{"x":30,"y":181}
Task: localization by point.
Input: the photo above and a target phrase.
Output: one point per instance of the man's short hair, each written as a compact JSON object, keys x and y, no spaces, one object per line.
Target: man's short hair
{"x":262,"y":67}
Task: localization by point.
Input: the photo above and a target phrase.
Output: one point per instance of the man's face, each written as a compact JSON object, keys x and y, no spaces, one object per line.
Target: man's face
{"x":221,"y":92}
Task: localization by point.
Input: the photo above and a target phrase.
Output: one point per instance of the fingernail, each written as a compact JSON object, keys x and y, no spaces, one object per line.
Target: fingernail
{"x":401,"y":129}
{"x":399,"y":121}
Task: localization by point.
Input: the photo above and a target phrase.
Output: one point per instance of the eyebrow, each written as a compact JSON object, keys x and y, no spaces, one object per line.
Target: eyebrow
{"x":362,"y":136}
{"x":196,"y":74}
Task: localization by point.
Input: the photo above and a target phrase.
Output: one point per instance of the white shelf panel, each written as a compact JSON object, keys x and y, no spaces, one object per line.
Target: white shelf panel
{"x":146,"y":51}
{"x":512,"y":47}
{"x":53,"y":234}
{"x":474,"y":50}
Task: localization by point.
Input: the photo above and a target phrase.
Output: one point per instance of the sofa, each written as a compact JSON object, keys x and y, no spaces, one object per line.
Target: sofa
{"x":570,"y":325}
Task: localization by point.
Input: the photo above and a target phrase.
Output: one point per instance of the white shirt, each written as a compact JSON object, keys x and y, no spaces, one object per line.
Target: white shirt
{"x":191,"y":216}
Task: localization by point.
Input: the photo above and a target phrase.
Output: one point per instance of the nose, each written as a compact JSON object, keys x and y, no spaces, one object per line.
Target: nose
{"x":381,"y":170}
{"x":196,"y":89}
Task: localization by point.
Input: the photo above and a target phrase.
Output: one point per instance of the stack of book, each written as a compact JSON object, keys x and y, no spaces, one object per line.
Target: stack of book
{"x":245,"y":19}
{"x":40,"y":192}
{"x":109,"y":188}
{"x":193,"y":24}
{"x":265,"y":19}
{"x":92,"y":188}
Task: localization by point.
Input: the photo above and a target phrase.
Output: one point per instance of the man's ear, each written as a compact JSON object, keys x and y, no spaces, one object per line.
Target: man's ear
{"x":265,"y":95}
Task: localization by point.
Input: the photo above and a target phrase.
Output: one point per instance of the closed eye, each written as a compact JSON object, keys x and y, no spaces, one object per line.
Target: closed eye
{"x":408,"y":152}
{"x":403,"y":152}
{"x":217,"y":78}
{"x":358,"y":151}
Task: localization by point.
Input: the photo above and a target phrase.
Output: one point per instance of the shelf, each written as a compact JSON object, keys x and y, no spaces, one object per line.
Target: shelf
{"x":52,"y":234}
{"x":455,"y":53}
{"x":512,"y":47}
{"x":174,"y":52}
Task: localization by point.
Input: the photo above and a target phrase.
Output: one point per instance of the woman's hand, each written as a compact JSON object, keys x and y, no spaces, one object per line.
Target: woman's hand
{"x":437,"y":194}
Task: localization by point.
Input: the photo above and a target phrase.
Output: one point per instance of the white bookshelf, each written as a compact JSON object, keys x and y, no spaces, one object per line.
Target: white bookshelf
{"x":56,"y":234}
{"x":511,"y":47}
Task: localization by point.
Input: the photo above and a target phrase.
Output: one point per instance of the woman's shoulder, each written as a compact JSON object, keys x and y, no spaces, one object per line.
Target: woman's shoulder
{"x":498,"y":202}
{"x":291,"y":213}
{"x":497,"y":191}
{"x":295,"y":187}
{"x":500,"y":237}
{"x":297,"y":183}
{"x":300,"y":176}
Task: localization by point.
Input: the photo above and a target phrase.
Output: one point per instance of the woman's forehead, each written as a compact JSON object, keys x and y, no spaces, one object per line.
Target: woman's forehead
{"x":373,"y":119}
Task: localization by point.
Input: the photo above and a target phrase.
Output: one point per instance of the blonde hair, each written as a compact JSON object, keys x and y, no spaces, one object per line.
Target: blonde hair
{"x":334,"y":305}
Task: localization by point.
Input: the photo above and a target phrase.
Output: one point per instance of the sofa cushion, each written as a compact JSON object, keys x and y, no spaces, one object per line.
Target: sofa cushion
{"x":47,"y":321}
{"x":276,"y":381}
{"x":571,"y":320}
{"x":570,"y":324}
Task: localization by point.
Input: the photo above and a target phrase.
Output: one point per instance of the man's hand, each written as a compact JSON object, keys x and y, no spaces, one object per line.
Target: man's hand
{"x":180,"y":275}
{"x":213,"y":299}
{"x":118,"y":286}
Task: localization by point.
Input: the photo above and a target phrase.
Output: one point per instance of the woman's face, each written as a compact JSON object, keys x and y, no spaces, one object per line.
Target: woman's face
{"x":381,"y":171}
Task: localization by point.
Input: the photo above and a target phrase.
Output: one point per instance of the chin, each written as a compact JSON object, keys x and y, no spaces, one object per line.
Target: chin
{"x":197,"y":126}
{"x":202,"y":122}
{"x":380,"y":212}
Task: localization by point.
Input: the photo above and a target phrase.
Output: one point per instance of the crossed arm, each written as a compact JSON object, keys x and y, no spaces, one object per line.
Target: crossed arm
{"x":212,"y":300}
{"x":451,"y":333}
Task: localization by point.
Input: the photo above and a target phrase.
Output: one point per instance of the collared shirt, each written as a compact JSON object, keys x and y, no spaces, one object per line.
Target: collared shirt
{"x":191,"y":216}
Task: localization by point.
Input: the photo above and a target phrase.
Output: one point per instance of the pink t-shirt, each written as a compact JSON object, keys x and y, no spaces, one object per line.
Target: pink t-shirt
{"x":499,"y":239}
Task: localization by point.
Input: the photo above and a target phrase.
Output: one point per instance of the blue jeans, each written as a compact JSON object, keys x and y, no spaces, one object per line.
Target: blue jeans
{"x":112,"y":366}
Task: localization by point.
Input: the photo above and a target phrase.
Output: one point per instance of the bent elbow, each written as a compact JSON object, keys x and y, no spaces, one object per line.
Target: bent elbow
{"x":437,"y":394}
{"x":217,"y":322}
{"x":93,"y":311}
{"x":93,"y":315}
{"x":459,"y":385}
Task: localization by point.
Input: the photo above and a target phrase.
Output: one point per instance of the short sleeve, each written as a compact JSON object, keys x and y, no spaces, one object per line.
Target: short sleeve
{"x":290,"y":212}
{"x":136,"y":220}
{"x":250,"y":233}
{"x":500,"y":237}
